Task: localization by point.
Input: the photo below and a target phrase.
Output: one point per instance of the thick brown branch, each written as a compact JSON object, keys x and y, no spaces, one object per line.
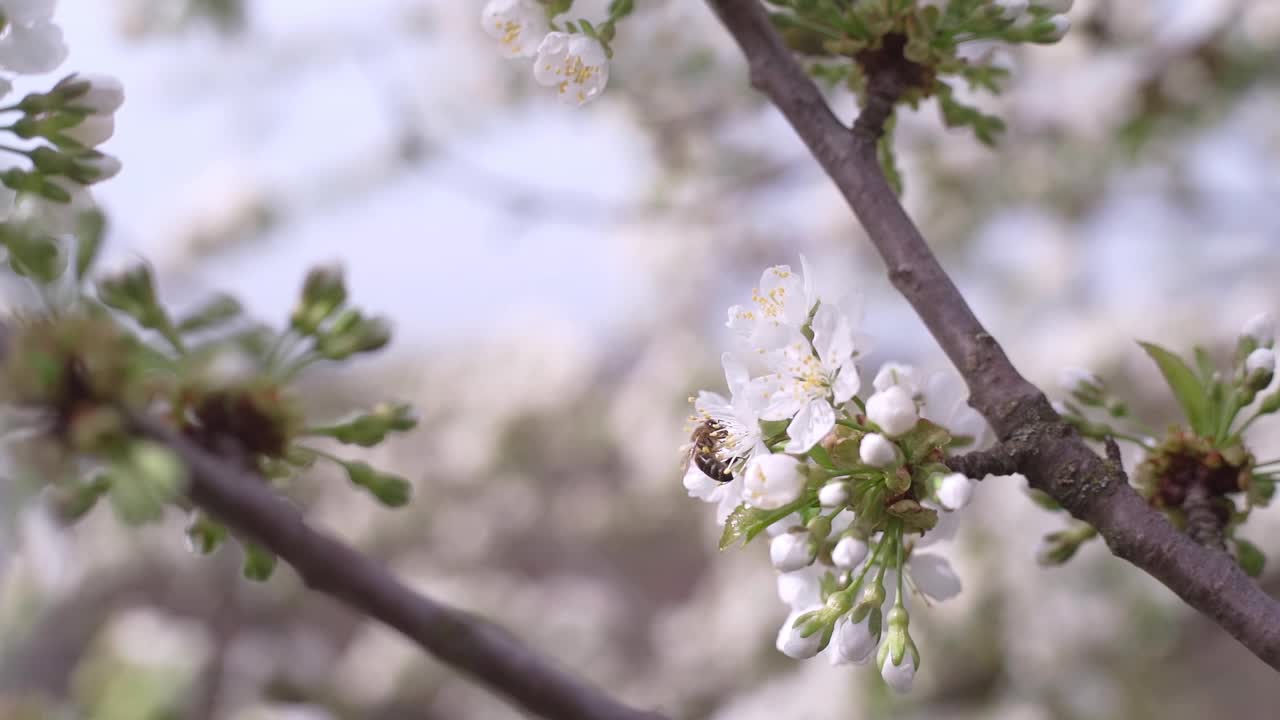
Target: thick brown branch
{"x":466,"y":642}
{"x":1052,"y":456}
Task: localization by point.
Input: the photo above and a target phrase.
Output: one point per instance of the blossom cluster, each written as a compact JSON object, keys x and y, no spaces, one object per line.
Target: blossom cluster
{"x":849,"y":489}
{"x":1202,"y":473}
{"x":576,"y":64}
{"x":59,"y":131}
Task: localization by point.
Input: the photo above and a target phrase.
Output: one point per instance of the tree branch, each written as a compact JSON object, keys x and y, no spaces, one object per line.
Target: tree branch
{"x":1041,"y":446}
{"x":464,"y":641}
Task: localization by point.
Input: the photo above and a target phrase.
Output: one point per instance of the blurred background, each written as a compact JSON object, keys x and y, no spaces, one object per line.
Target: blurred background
{"x":558,"y":279}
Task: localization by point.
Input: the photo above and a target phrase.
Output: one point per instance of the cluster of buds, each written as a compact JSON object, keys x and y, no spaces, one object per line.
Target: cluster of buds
{"x":849,"y":488}
{"x":1202,"y":474}
{"x":73,"y":118}
{"x":108,"y":351}
{"x":572,"y":57}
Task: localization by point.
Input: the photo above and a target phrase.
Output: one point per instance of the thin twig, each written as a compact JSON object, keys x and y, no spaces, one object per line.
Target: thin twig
{"x":1053,"y":457}
{"x":468,"y":643}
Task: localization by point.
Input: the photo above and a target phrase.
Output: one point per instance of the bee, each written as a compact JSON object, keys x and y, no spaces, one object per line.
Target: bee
{"x":704,"y":451}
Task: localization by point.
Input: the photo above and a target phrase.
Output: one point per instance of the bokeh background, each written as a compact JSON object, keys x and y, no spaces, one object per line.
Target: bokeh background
{"x":558,"y":279}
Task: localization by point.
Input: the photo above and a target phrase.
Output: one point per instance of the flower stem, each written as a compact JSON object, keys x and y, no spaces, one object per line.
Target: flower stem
{"x":901,"y":562}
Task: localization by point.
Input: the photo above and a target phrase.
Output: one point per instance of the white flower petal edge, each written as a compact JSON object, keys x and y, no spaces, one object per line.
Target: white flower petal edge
{"x":772,"y":481}
{"x":899,"y":677}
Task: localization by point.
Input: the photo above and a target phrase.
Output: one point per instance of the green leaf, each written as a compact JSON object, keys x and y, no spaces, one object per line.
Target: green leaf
{"x":259,"y":562}
{"x":91,"y":226}
{"x":146,"y":479}
{"x":820,"y":456}
{"x":1204,"y":364}
{"x":746,"y":522}
{"x":1250,"y":557}
{"x":215,"y":312}
{"x":1187,"y":388}
{"x":204,"y":534}
{"x":925,"y":438}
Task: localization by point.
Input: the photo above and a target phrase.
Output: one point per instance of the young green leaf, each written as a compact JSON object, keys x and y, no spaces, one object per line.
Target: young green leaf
{"x":1187,"y":388}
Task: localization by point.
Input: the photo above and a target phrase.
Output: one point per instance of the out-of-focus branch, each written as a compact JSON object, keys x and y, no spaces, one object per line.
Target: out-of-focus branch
{"x":464,"y":641}
{"x":1034,"y":440}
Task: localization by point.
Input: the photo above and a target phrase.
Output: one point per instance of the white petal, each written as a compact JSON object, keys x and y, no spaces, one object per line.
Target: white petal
{"x":933,"y":575}
{"x":955,"y":491}
{"x":945,"y":530}
{"x":899,"y":677}
{"x":810,"y":425}
{"x":847,"y":383}
{"x":854,"y":642}
{"x":802,"y":588}
{"x":735,"y":373}
{"x":832,"y":337}
{"x":712,"y":404}
{"x":790,"y":643}
{"x":553,"y":51}
{"x":33,"y":49}
{"x":28,"y":12}
{"x":698,"y":484}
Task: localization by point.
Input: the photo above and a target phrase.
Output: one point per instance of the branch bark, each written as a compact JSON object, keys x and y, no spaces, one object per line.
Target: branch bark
{"x":468,"y":643}
{"x":1034,"y":440}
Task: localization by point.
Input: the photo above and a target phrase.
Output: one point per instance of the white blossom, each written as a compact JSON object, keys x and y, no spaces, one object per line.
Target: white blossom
{"x":772,"y":481}
{"x":1261,"y":328}
{"x":739,"y":438}
{"x":933,"y":576}
{"x":853,"y":642}
{"x":809,"y":378}
{"x":849,"y":552}
{"x":954,"y":491}
{"x":32,"y":49}
{"x":833,"y":494}
{"x":779,"y":308}
{"x":790,"y":643}
{"x":791,"y":551}
{"x":575,"y":65}
{"x":877,"y":451}
{"x":801,"y":588}
{"x":893,"y":410}
{"x":901,"y":375}
{"x":518,"y":26}
{"x":946,"y":403}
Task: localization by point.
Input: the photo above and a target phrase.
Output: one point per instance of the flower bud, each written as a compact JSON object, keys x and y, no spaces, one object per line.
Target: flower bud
{"x":772,"y":481}
{"x":92,"y":131}
{"x":954,"y":491}
{"x":1259,"y":368}
{"x":898,"y":658}
{"x":873,"y":596}
{"x":323,"y":292}
{"x":833,"y":494}
{"x":855,"y":641}
{"x":1082,"y":385}
{"x":94,"y":94}
{"x":877,"y":451}
{"x":893,"y":411}
{"x":790,"y":642}
{"x":849,"y":552}
{"x":792,"y":551}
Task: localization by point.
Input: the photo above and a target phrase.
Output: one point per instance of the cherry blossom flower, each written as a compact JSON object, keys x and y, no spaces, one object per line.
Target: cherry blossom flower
{"x":779,"y":307}
{"x":518,"y":26}
{"x":575,"y":65}
{"x":810,"y":378}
